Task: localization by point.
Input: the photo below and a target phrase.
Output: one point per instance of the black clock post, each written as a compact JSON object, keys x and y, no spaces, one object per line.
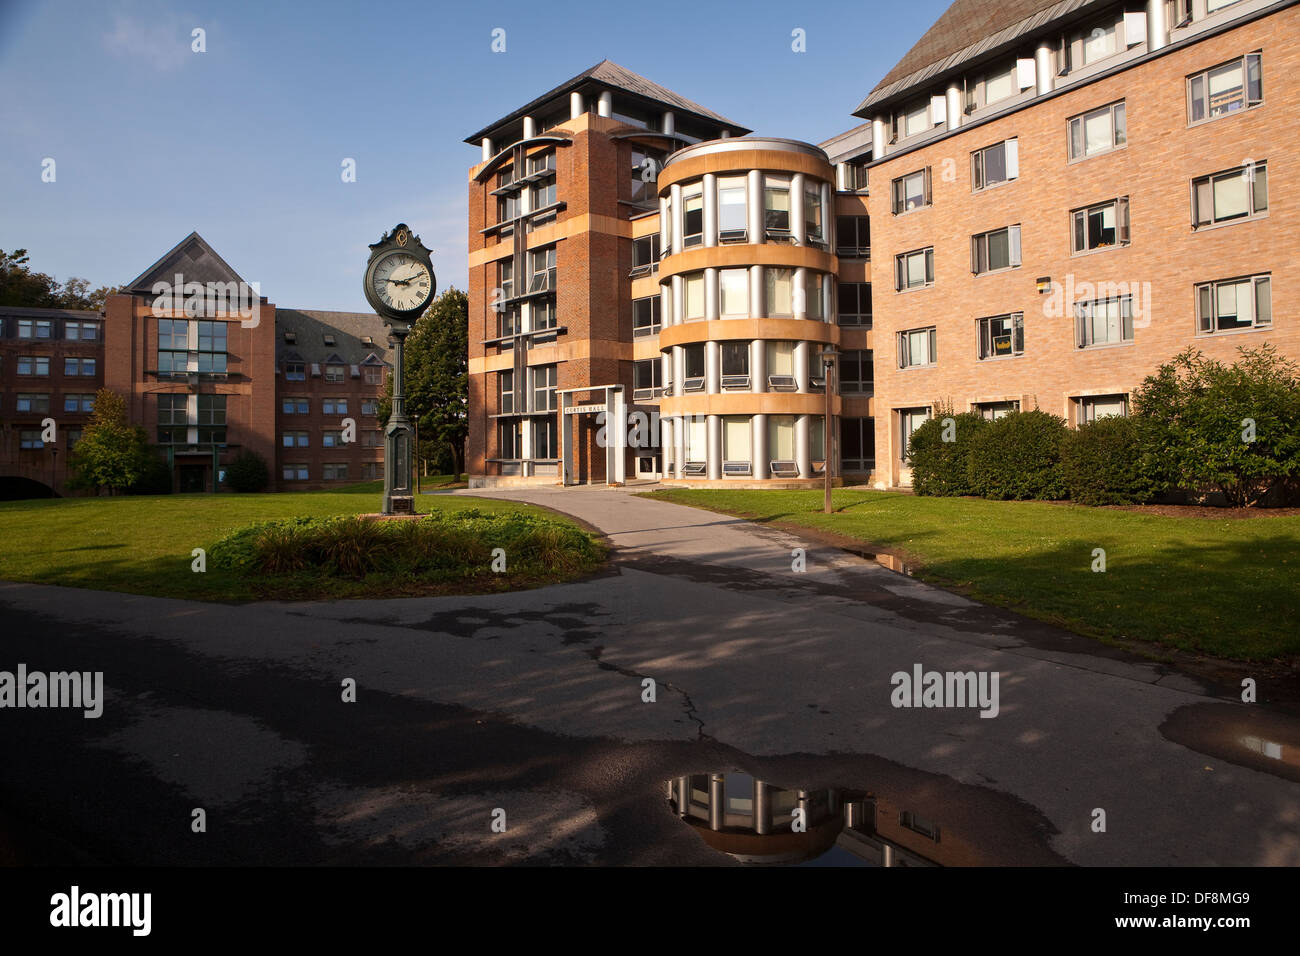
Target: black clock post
{"x":399,"y":302}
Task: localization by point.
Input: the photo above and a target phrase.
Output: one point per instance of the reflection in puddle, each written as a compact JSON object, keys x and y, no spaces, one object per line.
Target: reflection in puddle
{"x":758,"y":823}
{"x":891,"y":561}
{"x":1249,"y":736}
{"x":1266,"y":747}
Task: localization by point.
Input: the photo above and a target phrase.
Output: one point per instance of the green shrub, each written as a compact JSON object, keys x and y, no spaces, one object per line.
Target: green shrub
{"x":1102,"y":464}
{"x":1019,"y":456}
{"x":248,"y":472}
{"x":155,"y":478}
{"x":942,"y":467}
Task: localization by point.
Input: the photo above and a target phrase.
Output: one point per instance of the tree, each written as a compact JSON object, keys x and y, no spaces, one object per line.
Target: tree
{"x":1232,"y":427}
{"x":248,"y":472}
{"x":112,"y":453}
{"x":437,"y":377}
{"x":20,"y":286}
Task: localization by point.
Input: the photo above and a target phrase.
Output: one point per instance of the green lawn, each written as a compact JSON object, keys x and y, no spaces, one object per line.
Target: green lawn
{"x":143,"y":545}
{"x":1220,"y":586}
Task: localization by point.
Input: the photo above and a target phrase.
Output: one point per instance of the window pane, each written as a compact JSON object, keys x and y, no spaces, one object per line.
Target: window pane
{"x":1097,"y":132}
{"x":1230,"y":197}
{"x":735,"y":439}
{"x":995,"y":164}
{"x":780,"y":438}
{"x":735,"y":291}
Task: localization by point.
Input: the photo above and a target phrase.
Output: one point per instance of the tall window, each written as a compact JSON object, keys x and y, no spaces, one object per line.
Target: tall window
{"x":813,"y":219}
{"x":917,"y":347}
{"x":855,"y":304}
{"x":911,"y":191}
{"x":1101,"y":226}
{"x":1245,"y":303}
{"x":212,"y":419}
{"x":857,"y":375}
{"x":1104,"y":321}
{"x":544,"y":379}
{"x":992,"y":251}
{"x":858,"y":444}
{"x":732,"y":214}
{"x":733,"y":285}
{"x":171,"y":420}
{"x":853,"y":237}
{"x":737,"y":445}
{"x":507,"y":208}
{"x":1098,"y":131}
{"x":212,"y":346}
{"x":909,"y":420}
{"x":645,"y":175}
{"x":645,"y":316}
{"x":780,"y":438}
{"x":645,"y":255}
{"x":914,"y":270}
{"x":780,"y":365}
{"x":509,"y":445}
{"x":1227,"y":88}
{"x":693,"y":215}
{"x":506,"y":384}
{"x":693,"y":367}
{"x":780,"y":291}
{"x":735,"y":365}
{"x":694,"y":305}
{"x":814,"y":301}
{"x":546,"y":438}
{"x":505,"y":281}
{"x":542,"y":166}
{"x":1001,"y":336}
{"x":541,"y":263}
{"x":776,"y":203}
{"x":913,"y":119}
{"x":857,"y":176}
{"x":1240,"y":193}
{"x":647,"y":379}
{"x":173,"y":345}
{"x":542,"y":316}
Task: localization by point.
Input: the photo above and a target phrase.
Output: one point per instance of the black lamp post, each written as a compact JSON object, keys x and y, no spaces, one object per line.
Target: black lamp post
{"x":828,"y":355}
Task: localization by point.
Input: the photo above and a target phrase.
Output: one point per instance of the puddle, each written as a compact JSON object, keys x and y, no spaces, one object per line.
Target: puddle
{"x":758,"y":823}
{"x":890,"y":561}
{"x":1241,"y":734}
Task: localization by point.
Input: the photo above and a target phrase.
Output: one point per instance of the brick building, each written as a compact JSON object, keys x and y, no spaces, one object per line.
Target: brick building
{"x":209,"y":371}
{"x":1047,"y":199}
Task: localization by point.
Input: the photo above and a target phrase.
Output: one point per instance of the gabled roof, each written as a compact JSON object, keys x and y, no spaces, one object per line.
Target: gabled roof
{"x":193,"y":258}
{"x":610,"y":74}
{"x":966,"y":30}
{"x":348,"y":329}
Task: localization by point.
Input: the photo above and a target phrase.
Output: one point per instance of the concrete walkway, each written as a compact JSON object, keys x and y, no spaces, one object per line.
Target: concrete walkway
{"x":532,"y":702}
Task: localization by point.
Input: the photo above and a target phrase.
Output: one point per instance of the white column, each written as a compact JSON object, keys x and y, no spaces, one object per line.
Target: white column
{"x":726,"y":134}
{"x":616,"y":438}
{"x":577,"y":106}
{"x":801,"y":456}
{"x":711,"y":293}
{"x":681,"y":428}
{"x":842,"y":176}
{"x":1043,"y":72}
{"x":665,"y":445}
{"x":679,"y":218}
{"x":605,"y":105}
{"x":879,"y":136}
{"x":953,"y":104}
{"x":666,"y":368}
{"x":665,"y":304}
{"x":679,"y":297}
{"x":796,"y":209}
{"x":712,"y":367}
{"x":757,"y":306}
{"x":530,"y":127}
{"x":487,"y":149}
{"x":715,"y":446}
{"x":758,"y":442}
{"x":1157,"y":27}
{"x":710,"y":209}
{"x":799,"y":293}
{"x":758,"y":365}
{"x":663,"y":224}
{"x":679,"y":368}
{"x":670,"y":122}
{"x":754,"y":203}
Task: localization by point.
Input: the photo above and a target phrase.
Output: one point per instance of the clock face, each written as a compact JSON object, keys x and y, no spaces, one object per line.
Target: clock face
{"x":402,"y":282}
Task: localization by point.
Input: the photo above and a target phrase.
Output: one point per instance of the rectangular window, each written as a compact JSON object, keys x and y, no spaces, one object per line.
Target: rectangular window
{"x":780,"y":291}
{"x":857,"y":177}
{"x":853,"y":236}
{"x":509,"y":444}
{"x":1104,"y":322}
{"x":780,"y":365}
{"x":814,"y":301}
{"x":542,"y":266}
{"x":544,"y":379}
{"x":212,"y":347}
{"x":295,"y":439}
{"x":506,"y":383}
{"x":858,"y":444}
{"x":331,"y":438}
{"x":909,"y":420}
{"x":373,"y":375}
{"x":369,"y":406}
{"x":737,"y":444}
{"x":372,"y":438}
{"x":780,"y":439}
{"x":26,"y":329}
{"x":505,"y":282}
{"x":735,"y":365}
{"x":507,"y":210}
{"x":295,"y":406}
{"x":173,"y":345}
{"x":33,"y":365}
{"x":334,"y":471}
{"x":334,"y":406}
{"x":776,"y":204}
{"x":693,"y":215}
{"x":857,"y":375}
{"x":996,"y":250}
{"x":1226,"y":88}
{"x":1001,"y":336}
{"x":646,"y":318}
{"x":992,"y":411}
{"x":645,"y":255}
{"x":914,"y":119}
{"x":694,"y":305}
{"x":733,"y":285}
{"x":1098,"y":131}
{"x":81,"y":331}
{"x":543,"y":317}
{"x":334,"y":374}
{"x":546,"y":438}
{"x":693,"y":367}
{"x":999,"y":85}
{"x":30,"y":438}
{"x":916,"y":347}
{"x":30,"y":402}
{"x":733,"y":223}
{"x":293,"y":371}
{"x":647,"y":380}
{"x":172,"y":420}
{"x":855,"y":304}
{"x":813,"y":221}
{"x":1100,"y":42}
{"x":645,"y":174}
{"x":1100,"y":227}
{"x":1240,"y":193}
{"x":1093,"y":407}
{"x":911,"y":191}
{"x":914,"y":270}
{"x":212,"y":419}
{"x":79,"y":403}
{"x":294,"y":473}
{"x":996,"y":164}
{"x":1245,"y":303}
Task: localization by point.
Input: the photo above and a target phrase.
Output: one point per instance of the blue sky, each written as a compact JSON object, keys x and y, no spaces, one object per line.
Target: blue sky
{"x":245,"y":141}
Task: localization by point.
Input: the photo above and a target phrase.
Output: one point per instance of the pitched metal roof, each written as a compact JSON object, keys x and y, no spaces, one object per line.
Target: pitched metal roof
{"x":310,"y":326}
{"x":966,"y":30}
{"x":609,"y":73}
{"x":193,"y":258}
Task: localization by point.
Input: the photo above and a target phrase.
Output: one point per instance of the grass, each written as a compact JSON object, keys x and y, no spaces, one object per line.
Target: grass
{"x":143,"y":545}
{"x":1224,"y":587}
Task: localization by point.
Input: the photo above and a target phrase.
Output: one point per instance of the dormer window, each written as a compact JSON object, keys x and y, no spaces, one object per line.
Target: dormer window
{"x":290,"y":338}
{"x":329,"y":339}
